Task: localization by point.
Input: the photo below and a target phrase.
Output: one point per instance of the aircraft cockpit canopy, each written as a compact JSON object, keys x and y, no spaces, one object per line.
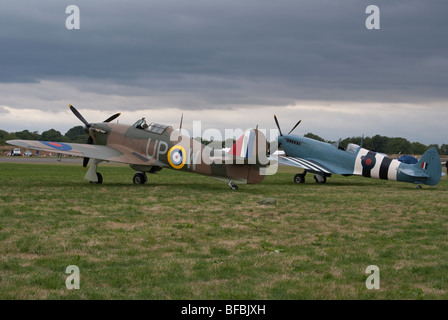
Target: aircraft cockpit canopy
{"x":352,"y":148}
{"x":140,"y":124}
{"x":153,"y":127}
{"x":157,"y":128}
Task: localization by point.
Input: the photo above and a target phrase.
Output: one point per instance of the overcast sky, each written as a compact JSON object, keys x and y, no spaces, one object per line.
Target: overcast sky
{"x":230,"y":64}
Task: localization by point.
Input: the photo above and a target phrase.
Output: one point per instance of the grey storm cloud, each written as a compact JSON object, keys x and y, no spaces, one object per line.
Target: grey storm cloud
{"x":3,"y":110}
{"x":243,"y":52}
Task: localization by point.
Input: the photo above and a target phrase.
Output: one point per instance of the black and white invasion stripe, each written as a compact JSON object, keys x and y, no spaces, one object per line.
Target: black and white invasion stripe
{"x":305,"y":164}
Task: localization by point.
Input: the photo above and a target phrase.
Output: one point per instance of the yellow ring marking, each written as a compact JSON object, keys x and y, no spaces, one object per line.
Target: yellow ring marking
{"x":184,"y":156}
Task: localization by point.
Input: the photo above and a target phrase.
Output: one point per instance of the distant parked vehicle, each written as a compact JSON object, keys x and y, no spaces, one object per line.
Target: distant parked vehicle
{"x":16,"y":152}
{"x":27,"y":153}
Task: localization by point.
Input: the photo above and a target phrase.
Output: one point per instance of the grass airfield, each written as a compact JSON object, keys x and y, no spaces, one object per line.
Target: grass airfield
{"x":186,"y":236}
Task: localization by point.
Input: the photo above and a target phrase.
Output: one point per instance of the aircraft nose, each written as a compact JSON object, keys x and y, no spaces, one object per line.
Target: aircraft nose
{"x":280,"y":140}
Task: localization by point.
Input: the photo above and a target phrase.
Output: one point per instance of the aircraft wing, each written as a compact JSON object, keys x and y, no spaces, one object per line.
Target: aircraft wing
{"x":106,"y":153}
{"x":313,"y":165}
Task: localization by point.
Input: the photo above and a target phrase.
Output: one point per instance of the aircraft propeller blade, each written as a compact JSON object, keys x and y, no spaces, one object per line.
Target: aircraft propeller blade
{"x":85,"y":161}
{"x":278,"y":126}
{"x":112,"y":117}
{"x":295,"y":126}
{"x":79,"y":116}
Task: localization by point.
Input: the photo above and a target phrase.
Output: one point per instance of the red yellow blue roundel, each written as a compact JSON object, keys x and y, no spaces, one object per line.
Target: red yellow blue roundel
{"x":368,"y":161}
{"x":177,"y":157}
{"x":57,"y":145}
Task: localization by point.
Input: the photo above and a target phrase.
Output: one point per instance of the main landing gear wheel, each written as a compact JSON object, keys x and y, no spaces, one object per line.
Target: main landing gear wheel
{"x":232,"y":186}
{"x":100,"y":179}
{"x":139,"y":178}
{"x":320,"y":179}
{"x":299,"y":178}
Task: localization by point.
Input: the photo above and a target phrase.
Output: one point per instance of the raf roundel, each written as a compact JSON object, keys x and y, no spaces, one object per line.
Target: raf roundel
{"x":368,"y":161}
{"x":57,"y":145}
{"x":177,"y":157}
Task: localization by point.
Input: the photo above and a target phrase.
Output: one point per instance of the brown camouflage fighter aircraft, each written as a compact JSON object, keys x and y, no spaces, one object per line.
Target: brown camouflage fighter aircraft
{"x":150,"y":148}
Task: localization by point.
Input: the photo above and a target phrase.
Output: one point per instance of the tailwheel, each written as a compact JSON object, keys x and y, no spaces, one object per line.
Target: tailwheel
{"x":299,"y":178}
{"x":320,"y":179}
{"x":232,"y":186}
{"x":100,"y":179}
{"x":140,"y":178}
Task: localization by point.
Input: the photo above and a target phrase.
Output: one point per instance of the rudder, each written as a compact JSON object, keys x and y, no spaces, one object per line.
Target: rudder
{"x":252,"y":148}
{"x":431,"y":165}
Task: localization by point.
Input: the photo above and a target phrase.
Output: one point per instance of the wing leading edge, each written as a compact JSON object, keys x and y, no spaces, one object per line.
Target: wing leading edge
{"x":100,"y":152}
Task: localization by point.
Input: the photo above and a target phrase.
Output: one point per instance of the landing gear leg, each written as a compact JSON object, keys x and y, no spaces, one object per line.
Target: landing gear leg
{"x":232,"y":186}
{"x":320,"y":179}
{"x":92,"y":175}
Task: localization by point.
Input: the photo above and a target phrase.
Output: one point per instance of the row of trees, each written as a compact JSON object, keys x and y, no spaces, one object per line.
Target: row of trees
{"x":376,"y":143}
{"x":75,"y":134}
{"x":387,"y":145}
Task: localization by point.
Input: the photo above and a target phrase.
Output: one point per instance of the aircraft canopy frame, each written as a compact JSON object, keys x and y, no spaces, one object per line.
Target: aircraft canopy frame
{"x":153,"y":127}
{"x":156,"y":128}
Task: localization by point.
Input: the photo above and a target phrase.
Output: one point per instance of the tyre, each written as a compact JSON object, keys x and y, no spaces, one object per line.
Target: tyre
{"x":139,"y":178}
{"x":100,"y":179}
{"x":299,"y":178}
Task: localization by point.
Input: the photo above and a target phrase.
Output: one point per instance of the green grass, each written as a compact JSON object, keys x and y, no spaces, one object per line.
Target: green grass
{"x":185,"y":236}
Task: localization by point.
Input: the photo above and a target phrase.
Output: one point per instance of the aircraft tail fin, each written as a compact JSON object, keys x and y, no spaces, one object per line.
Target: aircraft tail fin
{"x":252,"y":146}
{"x":243,"y":147}
{"x":251,"y":149}
{"x":431,"y":165}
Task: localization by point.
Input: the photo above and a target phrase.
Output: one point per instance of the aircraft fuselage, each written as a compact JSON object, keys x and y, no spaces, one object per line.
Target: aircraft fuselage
{"x":362,"y":162}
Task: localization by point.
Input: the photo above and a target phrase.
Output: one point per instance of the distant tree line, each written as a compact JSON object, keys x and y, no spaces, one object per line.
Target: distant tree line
{"x":376,"y":143}
{"x":387,"y":145}
{"x":75,"y":134}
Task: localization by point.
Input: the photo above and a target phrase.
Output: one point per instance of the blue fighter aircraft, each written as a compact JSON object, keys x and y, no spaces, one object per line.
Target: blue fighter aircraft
{"x":324,"y":159}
